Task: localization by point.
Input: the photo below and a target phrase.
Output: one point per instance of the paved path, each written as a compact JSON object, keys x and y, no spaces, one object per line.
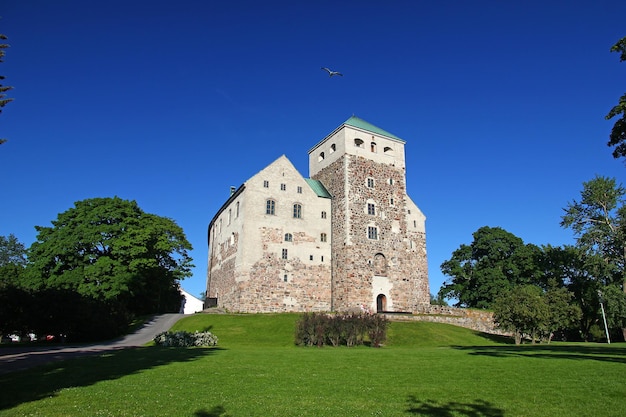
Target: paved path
{"x":24,"y":357}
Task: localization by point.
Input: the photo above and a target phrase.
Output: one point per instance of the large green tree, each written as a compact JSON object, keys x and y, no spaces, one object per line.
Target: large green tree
{"x":617,"y":138}
{"x":108,"y":249}
{"x":598,"y":220}
{"x":4,"y":100}
{"x":493,"y":263}
{"x":12,"y":260}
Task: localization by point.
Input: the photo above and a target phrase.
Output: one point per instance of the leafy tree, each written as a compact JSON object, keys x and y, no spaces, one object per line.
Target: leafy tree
{"x":3,"y":89}
{"x":562,"y":314}
{"x":617,"y":138}
{"x":12,"y":260}
{"x":108,"y":249}
{"x":522,"y":310}
{"x":614,"y":301}
{"x":494,"y":262}
{"x":598,"y":220}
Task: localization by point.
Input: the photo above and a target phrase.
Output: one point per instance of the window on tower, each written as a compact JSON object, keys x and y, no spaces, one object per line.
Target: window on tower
{"x":371,"y":209}
{"x":372,"y":232}
{"x":373,"y":146}
{"x":297,"y":211}
{"x":370,"y":183}
{"x":358,"y":143}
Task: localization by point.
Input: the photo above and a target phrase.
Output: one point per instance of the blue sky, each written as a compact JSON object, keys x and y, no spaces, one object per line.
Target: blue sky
{"x":501,"y":105}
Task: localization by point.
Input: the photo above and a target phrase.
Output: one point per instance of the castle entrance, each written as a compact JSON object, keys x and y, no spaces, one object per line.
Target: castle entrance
{"x":381,"y":303}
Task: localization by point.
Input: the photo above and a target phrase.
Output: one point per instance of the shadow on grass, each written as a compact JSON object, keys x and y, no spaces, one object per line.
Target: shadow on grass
{"x":217,"y":411}
{"x":478,"y":408}
{"x":46,"y":380}
{"x":603,"y":353}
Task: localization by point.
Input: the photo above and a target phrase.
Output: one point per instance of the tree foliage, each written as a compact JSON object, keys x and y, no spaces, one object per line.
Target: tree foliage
{"x":494,"y":262}
{"x":108,"y":249}
{"x":4,"y":100}
{"x":617,"y":137}
{"x":12,"y":260}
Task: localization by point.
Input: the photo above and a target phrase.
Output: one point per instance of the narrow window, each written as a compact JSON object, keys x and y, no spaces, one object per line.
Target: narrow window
{"x":390,"y":181}
{"x":372,"y":233}
{"x":266,"y":184}
{"x":283,"y":187}
{"x":230,"y":214}
{"x":288,"y":237}
{"x":333,"y":148}
{"x":285,"y":277}
{"x":284,"y":253}
{"x":297,"y":211}
{"x":414,"y":223}
{"x":270,"y":207}
{"x":321,"y":157}
{"x":373,"y":146}
{"x":408,"y":211}
{"x":322,"y":259}
{"x":371,"y":209}
{"x":237,"y":211}
{"x":370,"y":182}
{"x":310,"y":257}
{"x":323,"y":215}
{"x":391,"y":201}
{"x":323,"y":237}
{"x":358,"y":143}
{"x":299,"y":190}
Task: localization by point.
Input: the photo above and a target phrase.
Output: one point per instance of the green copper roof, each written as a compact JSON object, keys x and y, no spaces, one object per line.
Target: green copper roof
{"x":362,"y":124}
{"x":318,"y":187}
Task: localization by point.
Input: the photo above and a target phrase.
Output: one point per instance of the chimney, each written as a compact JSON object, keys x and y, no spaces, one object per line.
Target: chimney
{"x":232,"y":190}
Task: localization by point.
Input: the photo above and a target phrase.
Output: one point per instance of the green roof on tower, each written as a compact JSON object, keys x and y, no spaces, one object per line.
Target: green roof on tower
{"x":362,"y":124}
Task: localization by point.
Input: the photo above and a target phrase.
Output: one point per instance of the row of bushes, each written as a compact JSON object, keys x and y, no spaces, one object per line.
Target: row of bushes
{"x":348,"y":329}
{"x":185,"y":339}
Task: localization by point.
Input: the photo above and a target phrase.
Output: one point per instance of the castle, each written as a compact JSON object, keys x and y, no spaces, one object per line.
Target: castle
{"x":347,"y":237}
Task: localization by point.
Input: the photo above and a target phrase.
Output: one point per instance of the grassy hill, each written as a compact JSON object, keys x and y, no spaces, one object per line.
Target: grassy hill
{"x":424,"y":369}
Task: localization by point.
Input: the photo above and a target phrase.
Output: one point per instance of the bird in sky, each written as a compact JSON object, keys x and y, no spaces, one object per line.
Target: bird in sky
{"x":331,"y":73}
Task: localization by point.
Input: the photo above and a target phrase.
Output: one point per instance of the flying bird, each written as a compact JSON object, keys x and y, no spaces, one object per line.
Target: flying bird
{"x":331,"y":73}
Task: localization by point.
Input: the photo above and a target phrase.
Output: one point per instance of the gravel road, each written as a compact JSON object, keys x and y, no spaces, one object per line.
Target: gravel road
{"x":23,"y":357}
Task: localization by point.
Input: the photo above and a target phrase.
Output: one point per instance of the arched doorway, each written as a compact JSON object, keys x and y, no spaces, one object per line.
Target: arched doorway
{"x":381,"y":303}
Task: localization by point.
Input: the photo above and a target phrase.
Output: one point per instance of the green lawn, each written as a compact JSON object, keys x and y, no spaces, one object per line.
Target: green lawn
{"x":425,"y":369}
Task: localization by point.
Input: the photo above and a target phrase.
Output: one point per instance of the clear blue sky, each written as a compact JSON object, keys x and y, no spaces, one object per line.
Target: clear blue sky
{"x":169,"y":103}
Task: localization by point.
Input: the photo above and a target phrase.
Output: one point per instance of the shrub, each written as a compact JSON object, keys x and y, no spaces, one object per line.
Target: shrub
{"x":349,"y":329}
{"x":185,"y":339}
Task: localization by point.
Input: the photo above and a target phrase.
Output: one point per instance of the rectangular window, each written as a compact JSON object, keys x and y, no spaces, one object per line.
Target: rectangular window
{"x":299,"y":190}
{"x":284,"y":253}
{"x":297,"y":211}
{"x":371,"y":209}
{"x":370,"y":182}
{"x":283,"y":187}
{"x":266,"y":184}
{"x":285,"y":277}
{"x":323,"y":215}
{"x":322,"y":259}
{"x":310,"y":257}
{"x":372,"y":233}
{"x":323,"y":237}
{"x":270,"y":207}
{"x":237,"y":213}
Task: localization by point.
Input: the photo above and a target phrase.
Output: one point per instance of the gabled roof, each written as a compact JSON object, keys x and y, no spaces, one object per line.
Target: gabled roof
{"x":318,"y":188}
{"x":362,"y":124}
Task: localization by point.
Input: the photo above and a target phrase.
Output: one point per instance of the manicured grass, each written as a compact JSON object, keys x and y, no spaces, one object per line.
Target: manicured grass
{"x":425,"y":369}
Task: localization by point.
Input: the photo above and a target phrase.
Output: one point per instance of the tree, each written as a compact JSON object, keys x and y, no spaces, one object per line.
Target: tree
{"x":3,"y":89}
{"x":522,"y":310}
{"x":598,"y":221}
{"x":617,"y":138}
{"x":109,"y":250}
{"x":494,"y":262}
{"x":12,"y":260}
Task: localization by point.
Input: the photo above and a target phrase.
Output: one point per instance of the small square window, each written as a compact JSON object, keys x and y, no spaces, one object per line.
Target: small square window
{"x":283,"y":187}
{"x":266,"y":184}
{"x":323,"y":237}
{"x":323,"y":215}
{"x":370,"y":182}
{"x":371,"y":209}
{"x":299,"y":190}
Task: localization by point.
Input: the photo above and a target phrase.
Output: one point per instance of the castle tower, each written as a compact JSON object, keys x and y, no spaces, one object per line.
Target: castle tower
{"x":378,"y":234}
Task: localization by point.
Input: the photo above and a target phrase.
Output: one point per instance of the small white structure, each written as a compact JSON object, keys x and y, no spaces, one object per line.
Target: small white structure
{"x":190,"y":303}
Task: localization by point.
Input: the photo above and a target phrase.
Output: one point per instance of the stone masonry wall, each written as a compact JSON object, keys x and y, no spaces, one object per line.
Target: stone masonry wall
{"x":396,"y":262}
